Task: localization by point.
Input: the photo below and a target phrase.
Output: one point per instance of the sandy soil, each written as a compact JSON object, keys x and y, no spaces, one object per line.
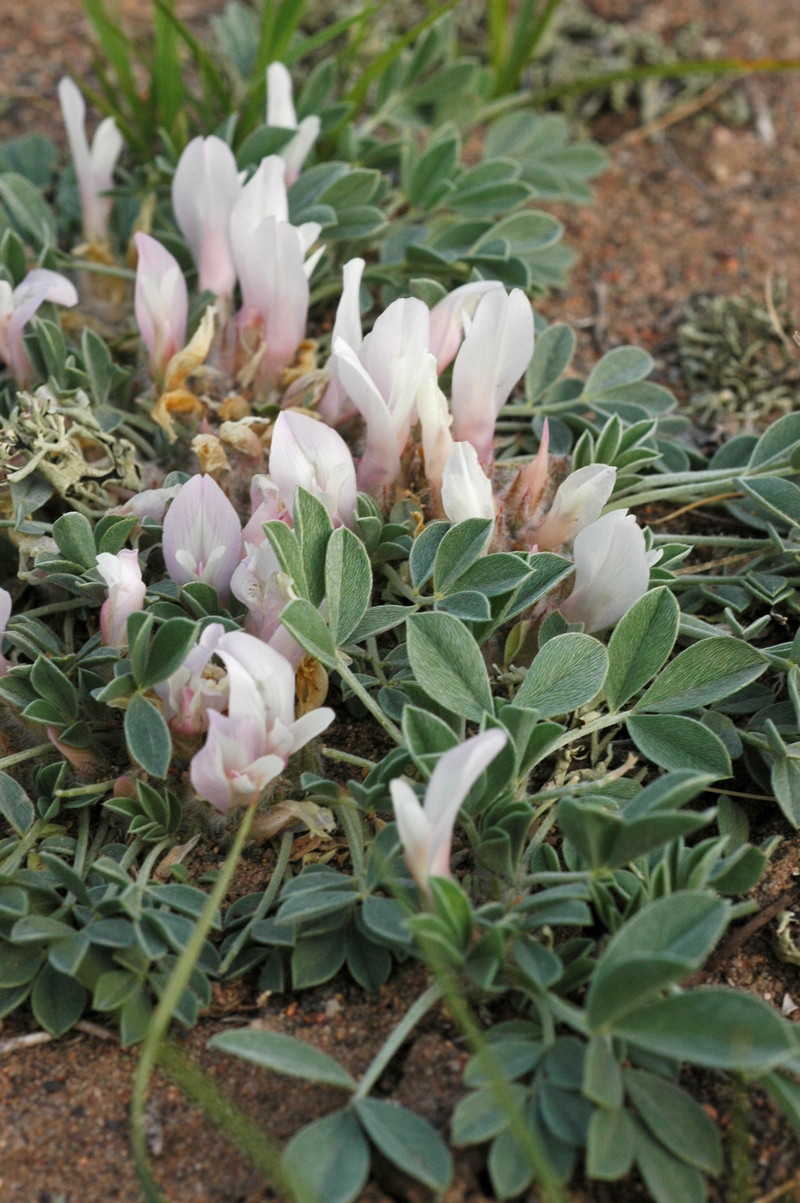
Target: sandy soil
{"x":704,"y":208}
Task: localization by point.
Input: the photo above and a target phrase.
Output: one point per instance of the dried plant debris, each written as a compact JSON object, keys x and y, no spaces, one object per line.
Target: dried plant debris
{"x":59,"y":442}
{"x":737,"y":359}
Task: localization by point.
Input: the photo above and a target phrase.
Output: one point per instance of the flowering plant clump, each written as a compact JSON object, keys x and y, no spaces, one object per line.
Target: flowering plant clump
{"x":336,"y":468}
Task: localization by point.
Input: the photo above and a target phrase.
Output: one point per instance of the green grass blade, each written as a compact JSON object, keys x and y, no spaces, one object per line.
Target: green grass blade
{"x":308,"y":45}
{"x":287,"y":20}
{"x":213,"y":80}
{"x":531,"y":26}
{"x":718,"y":66}
{"x":118,"y":49}
{"x":359,"y":91}
{"x":497,"y":17}
{"x":167,"y":88}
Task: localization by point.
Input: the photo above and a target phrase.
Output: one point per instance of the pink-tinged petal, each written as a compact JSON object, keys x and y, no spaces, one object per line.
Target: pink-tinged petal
{"x":264,"y":195}
{"x":578,"y":502}
{"x":288,"y":646}
{"x":296,"y":151}
{"x":271,"y":674}
{"x":218,"y":771}
{"x":414,"y":830}
{"x":451,"y":780}
{"x":126,"y":592}
{"x":380,"y":463}
{"x":94,"y":169}
{"x":466,"y":489}
{"x":493,"y":356}
{"x":310,"y":725}
{"x":161,"y":302}
{"x":151,"y":503}
{"x":202,"y":537}
{"x":280,"y":108}
{"x":266,"y":506}
{"x":533,"y":477}
{"x":611,"y":571}
{"x":82,"y":760}
{"x":448,"y":319}
{"x":38,"y":286}
{"x":305,"y":452}
{"x":334,"y":406}
{"x":205,"y":189}
{"x":275,"y":293}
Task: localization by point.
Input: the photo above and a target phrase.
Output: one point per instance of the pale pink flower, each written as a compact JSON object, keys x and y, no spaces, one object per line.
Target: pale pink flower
{"x":382,"y":380}
{"x":578,"y":502}
{"x":263,"y":586}
{"x":264,"y":195}
{"x":196,"y":688}
{"x":426,"y":831}
{"x":493,"y":356}
{"x":452,"y":316}
{"x":335,"y":406}
{"x":280,"y":112}
{"x":5,"y":614}
{"x":202,"y":536}
{"x":466,"y":489}
{"x":161,"y":303}
{"x":274,"y":294}
{"x":612,"y":571}
{"x":122,"y":574}
{"x":250,"y":746}
{"x":308,"y":453}
{"x":94,"y":168}
{"x":205,"y":189}
{"x":17,"y":307}
{"x":150,"y":503}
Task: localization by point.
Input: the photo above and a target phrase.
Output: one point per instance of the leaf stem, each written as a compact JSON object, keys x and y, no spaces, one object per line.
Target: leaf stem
{"x":396,"y":1038}
{"x":370,"y":703}
{"x":169,"y":1000}
{"x":28,"y":754}
{"x":347,"y":758}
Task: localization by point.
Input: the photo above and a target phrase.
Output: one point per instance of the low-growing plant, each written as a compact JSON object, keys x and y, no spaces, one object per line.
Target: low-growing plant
{"x":384,"y":518}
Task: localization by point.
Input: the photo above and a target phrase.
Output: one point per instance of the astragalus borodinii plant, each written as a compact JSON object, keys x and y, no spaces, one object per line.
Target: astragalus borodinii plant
{"x":385,"y":520}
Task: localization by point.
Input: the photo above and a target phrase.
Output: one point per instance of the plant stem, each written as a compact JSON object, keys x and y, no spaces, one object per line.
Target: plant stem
{"x":347,"y":758}
{"x":524,"y":1133}
{"x":82,"y":842}
{"x":739,"y":1180}
{"x":370,"y":703}
{"x":266,"y":901}
{"x":72,"y":603}
{"x":396,"y":1038}
{"x":78,"y":791}
{"x":238,"y":1127}
{"x":28,"y":754}
{"x":169,"y":1000}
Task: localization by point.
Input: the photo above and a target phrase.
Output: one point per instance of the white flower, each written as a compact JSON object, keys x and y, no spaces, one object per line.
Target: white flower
{"x":466,"y":489}
{"x":612,"y":571}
